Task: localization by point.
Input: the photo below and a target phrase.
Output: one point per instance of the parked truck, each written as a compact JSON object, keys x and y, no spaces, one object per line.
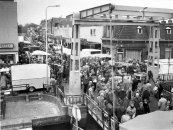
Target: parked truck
{"x":33,"y":76}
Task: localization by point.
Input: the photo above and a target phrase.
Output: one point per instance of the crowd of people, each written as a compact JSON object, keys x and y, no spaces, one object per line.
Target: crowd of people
{"x":130,"y":95}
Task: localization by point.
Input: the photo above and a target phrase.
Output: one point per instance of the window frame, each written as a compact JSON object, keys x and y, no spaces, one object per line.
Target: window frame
{"x":168,"y":30}
{"x":139,"y":29}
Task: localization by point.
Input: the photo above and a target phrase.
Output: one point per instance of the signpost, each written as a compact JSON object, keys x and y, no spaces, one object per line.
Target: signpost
{"x":7,"y":46}
{"x":76,"y":114}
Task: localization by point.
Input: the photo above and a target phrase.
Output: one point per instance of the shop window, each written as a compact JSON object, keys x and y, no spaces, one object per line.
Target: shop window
{"x":139,"y":28}
{"x":7,"y":58}
{"x":167,"y":52}
{"x":168,"y":30}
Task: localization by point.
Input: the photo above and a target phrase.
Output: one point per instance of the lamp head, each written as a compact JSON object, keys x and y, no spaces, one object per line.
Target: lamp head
{"x":57,"y":5}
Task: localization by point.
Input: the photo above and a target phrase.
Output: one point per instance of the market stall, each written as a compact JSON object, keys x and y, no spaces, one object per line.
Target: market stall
{"x":158,"y":120}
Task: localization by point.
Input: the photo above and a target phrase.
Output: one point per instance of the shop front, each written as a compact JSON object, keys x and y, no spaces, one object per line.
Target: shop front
{"x":8,"y":54}
{"x":127,"y":50}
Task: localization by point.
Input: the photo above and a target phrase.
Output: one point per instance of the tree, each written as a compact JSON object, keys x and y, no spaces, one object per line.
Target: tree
{"x":29,"y":25}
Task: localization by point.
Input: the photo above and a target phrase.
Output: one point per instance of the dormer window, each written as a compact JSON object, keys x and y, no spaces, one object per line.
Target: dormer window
{"x":168,"y":30}
{"x":139,"y":28}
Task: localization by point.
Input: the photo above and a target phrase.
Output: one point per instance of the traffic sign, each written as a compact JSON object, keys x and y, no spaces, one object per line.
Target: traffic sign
{"x":76,"y":112}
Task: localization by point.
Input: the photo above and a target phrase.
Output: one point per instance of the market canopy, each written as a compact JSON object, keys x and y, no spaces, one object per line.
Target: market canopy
{"x":4,"y":70}
{"x":101,"y":55}
{"x":39,"y":53}
{"x":158,"y":120}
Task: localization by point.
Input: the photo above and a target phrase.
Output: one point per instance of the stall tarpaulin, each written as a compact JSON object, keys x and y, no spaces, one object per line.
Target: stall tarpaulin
{"x":4,"y":70}
{"x":38,"y":52}
{"x":158,"y":120}
{"x":101,"y":55}
{"x":164,"y":69}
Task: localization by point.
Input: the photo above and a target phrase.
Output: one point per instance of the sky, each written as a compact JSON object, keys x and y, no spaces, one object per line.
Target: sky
{"x":33,"y":11}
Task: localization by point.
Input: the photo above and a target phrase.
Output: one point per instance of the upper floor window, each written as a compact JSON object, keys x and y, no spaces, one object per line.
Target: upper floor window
{"x":93,"y":32}
{"x":168,"y":30}
{"x":139,"y":28}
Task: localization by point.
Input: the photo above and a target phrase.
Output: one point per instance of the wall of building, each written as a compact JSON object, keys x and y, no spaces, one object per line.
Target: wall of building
{"x":85,"y":32}
{"x":8,"y":25}
{"x":64,"y":31}
{"x":8,"y":30}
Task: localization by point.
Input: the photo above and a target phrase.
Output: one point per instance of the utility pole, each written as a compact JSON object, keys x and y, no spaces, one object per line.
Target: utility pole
{"x":113,"y":61}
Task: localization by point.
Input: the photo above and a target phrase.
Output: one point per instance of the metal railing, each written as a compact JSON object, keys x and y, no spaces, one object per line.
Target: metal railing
{"x":70,"y":100}
{"x":167,"y":86}
{"x":15,"y":88}
{"x":101,"y":116}
{"x":167,"y":91}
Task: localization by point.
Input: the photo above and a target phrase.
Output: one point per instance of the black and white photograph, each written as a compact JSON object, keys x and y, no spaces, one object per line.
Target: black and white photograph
{"x":86,"y":64}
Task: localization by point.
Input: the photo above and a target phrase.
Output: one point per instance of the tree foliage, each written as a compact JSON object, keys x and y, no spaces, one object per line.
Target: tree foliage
{"x":24,"y":28}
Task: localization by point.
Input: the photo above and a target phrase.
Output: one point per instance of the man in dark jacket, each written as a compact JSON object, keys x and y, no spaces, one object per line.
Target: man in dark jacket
{"x":134,"y":84}
{"x":140,"y":110}
{"x":86,"y":83}
{"x":146,"y":106}
{"x":137,"y":100}
{"x":145,"y":94}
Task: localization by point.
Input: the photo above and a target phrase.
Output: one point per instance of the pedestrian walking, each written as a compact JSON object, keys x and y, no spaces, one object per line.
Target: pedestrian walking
{"x":162,"y":103}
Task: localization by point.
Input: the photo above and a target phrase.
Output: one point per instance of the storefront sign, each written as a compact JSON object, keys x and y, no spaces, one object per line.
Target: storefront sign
{"x":6,"y":46}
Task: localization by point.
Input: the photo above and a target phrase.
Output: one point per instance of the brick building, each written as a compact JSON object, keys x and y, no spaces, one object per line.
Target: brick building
{"x":132,"y":41}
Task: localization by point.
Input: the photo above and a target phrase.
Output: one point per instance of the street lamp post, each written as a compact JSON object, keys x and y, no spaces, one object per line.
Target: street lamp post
{"x":112,"y":62}
{"x":46,"y":43}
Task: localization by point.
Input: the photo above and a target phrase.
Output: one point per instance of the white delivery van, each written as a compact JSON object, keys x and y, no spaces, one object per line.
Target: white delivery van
{"x":35,"y":75}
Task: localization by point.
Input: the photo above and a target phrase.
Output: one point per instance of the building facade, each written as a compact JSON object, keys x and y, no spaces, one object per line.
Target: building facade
{"x":90,"y":35}
{"x":8,"y":32}
{"x":132,"y":42}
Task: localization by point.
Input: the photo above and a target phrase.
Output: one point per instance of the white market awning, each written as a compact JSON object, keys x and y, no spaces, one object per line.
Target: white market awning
{"x":39,"y":53}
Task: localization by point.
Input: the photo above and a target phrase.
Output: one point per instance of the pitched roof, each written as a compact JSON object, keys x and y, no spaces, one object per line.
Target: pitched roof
{"x":131,"y":32}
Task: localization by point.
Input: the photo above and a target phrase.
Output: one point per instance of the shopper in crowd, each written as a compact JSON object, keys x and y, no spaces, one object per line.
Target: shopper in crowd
{"x":145,"y":94}
{"x":146,"y":106}
{"x":3,"y":80}
{"x":140,"y":110}
{"x":126,"y":117}
{"x":134,"y":84}
{"x":137,"y":100}
{"x":132,"y":110}
{"x":162,"y":103}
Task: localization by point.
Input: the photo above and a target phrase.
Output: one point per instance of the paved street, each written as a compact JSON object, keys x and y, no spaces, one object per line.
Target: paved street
{"x":24,"y":112}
